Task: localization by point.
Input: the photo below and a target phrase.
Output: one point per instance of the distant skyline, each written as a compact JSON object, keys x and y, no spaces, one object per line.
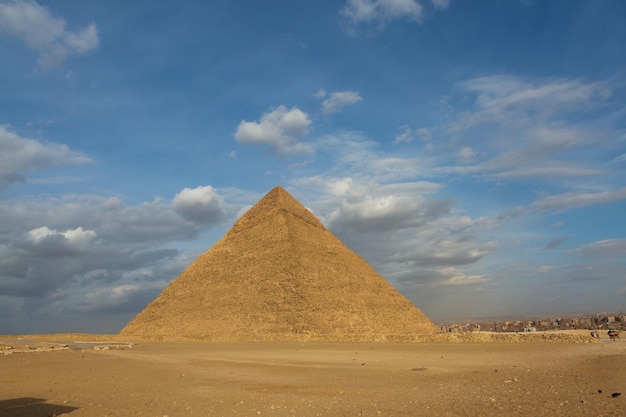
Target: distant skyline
{"x":474,"y":153}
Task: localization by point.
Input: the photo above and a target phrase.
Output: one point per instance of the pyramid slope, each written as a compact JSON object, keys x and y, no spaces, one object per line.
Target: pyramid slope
{"x":279,"y":274}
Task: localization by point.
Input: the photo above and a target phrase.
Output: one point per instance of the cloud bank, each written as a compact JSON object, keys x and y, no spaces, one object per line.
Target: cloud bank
{"x":94,"y":255}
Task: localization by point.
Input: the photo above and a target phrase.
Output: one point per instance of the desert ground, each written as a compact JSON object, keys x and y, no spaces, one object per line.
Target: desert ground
{"x":89,"y":375}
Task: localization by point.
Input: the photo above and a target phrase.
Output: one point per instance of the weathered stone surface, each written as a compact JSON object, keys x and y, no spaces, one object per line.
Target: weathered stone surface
{"x":279,"y":274}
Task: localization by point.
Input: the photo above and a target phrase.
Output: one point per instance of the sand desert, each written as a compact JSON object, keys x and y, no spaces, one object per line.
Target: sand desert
{"x":450,"y":375}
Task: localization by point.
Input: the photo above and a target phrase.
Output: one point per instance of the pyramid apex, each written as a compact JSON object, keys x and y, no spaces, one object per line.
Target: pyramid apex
{"x":280,"y":197}
{"x":278,"y":188}
{"x":279,"y":192}
{"x":278,"y":200}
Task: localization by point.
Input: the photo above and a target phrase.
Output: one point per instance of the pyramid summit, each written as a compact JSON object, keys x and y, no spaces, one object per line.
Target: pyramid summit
{"x":279,"y":274}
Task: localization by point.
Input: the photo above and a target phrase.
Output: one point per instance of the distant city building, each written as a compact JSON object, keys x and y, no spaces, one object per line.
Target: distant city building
{"x":602,"y":321}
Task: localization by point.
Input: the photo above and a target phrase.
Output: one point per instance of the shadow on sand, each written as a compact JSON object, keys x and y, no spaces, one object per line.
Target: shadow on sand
{"x":32,"y":407}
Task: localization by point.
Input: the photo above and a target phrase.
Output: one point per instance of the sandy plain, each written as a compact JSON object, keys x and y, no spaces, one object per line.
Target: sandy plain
{"x":64,"y":375}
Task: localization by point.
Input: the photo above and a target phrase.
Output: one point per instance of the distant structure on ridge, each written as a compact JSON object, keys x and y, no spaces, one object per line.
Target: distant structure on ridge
{"x":280,"y":275}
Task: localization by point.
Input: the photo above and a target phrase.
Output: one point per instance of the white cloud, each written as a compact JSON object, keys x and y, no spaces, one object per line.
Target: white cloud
{"x":396,"y":226}
{"x":343,"y":187}
{"x":609,"y":248}
{"x":338,"y":100}
{"x":441,"y":278}
{"x":447,"y":251}
{"x":526,"y":128}
{"x":280,"y":129}
{"x":620,"y":159}
{"x":454,"y":277}
{"x":201,"y":204}
{"x":554,"y":243}
{"x":360,"y":155}
{"x":406,"y":134}
{"x":549,"y":172}
{"x":55,"y":253}
{"x":441,"y":4}
{"x":465,"y":154}
{"x":125,"y":296}
{"x":409,"y":238}
{"x":45,"y":242}
{"x":506,"y":99}
{"x":321,"y":93}
{"x":384,"y":213}
{"x":41,"y":31}
{"x":571,"y":200}
{"x":76,"y":238}
{"x":149,"y":223}
{"x":19,"y":155}
{"x":379,"y":207}
{"x":365,"y":11}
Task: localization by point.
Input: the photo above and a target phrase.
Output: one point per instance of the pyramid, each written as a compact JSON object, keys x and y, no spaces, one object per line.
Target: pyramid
{"x":280,"y":275}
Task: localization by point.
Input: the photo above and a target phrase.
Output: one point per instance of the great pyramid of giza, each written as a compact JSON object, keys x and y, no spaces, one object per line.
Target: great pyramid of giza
{"x":279,"y":274}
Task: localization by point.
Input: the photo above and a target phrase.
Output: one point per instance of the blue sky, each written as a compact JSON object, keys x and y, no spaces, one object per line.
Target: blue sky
{"x":472,"y":152}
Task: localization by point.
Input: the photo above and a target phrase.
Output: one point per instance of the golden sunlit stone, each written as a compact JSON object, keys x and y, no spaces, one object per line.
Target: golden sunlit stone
{"x":279,"y":274}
